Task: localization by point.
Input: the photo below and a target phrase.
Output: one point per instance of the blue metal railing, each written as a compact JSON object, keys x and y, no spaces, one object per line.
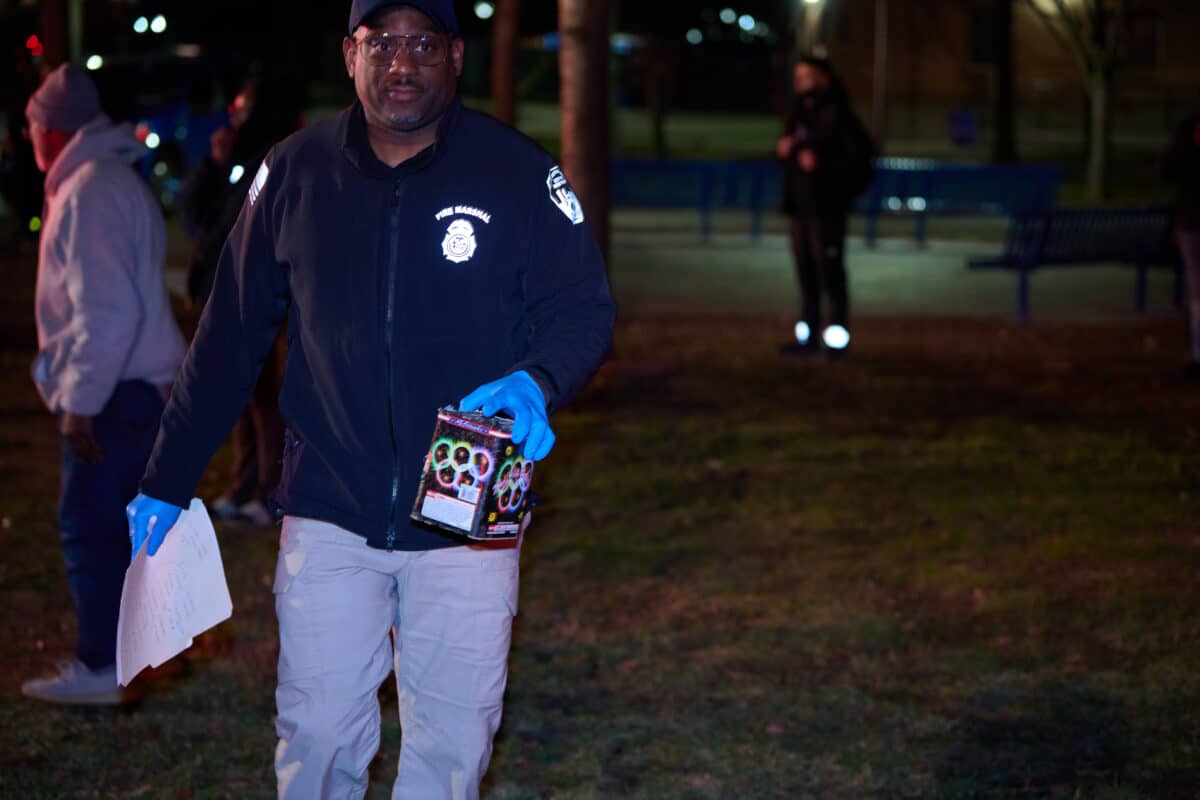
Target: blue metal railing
{"x":909,"y":187}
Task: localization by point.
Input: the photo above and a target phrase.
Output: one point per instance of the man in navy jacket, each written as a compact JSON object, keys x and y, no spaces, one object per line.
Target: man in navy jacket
{"x":423,"y":254}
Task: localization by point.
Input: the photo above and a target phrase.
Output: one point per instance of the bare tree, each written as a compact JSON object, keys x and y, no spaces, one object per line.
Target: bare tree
{"x":1088,"y":30}
{"x":504,"y":50}
{"x":583,"y":30}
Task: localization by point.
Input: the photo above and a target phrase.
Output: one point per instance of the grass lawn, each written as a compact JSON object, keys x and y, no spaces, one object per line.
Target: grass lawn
{"x":959,"y":564}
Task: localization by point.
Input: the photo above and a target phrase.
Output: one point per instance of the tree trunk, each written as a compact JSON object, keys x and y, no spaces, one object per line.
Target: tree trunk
{"x":1004,"y":144}
{"x":658,"y":120}
{"x":504,"y":48}
{"x":657,"y":77}
{"x":879,"y":71}
{"x":55,"y":30}
{"x":1099,"y":134}
{"x":583,"y":27}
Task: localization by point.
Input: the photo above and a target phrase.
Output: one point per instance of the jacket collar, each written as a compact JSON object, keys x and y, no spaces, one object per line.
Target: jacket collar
{"x":356,"y":147}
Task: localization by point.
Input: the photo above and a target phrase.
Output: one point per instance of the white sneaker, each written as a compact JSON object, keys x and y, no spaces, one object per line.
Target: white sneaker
{"x":75,"y":684}
{"x":256,"y":513}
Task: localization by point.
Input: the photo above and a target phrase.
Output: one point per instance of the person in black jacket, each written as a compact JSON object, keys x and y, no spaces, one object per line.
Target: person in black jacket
{"x":265,"y":110}
{"x":424,"y":255}
{"x":826,"y":156}
{"x":1182,"y":167}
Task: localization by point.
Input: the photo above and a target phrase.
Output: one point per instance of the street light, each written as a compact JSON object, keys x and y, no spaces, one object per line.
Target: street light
{"x":808,"y":25}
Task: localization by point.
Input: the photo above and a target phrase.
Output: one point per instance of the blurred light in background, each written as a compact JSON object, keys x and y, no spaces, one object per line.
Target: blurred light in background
{"x":158,"y":24}
{"x":746,"y":22}
{"x":484,"y":9}
{"x":152,"y":140}
{"x":694,"y":36}
{"x":728,"y":16}
{"x":141,"y":25}
{"x":624,"y":43}
{"x":94,"y":62}
{"x":236,"y":173}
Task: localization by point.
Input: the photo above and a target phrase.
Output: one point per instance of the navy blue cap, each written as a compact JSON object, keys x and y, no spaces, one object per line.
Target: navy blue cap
{"x":440,"y":11}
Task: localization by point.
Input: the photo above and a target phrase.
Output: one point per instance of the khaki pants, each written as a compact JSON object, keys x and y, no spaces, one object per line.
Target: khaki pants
{"x":349,"y":614}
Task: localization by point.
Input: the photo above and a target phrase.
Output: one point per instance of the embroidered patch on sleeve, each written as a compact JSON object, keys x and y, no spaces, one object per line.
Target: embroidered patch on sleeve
{"x":562,"y":196}
{"x":260,"y":180}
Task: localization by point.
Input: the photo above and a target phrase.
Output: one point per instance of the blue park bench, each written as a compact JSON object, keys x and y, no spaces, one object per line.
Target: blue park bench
{"x":1138,"y":237}
{"x":921,"y":188}
{"x":681,"y":183}
{"x":907,"y":187}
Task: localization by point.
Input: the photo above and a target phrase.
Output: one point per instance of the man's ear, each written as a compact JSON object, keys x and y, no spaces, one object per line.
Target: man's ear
{"x":456,"y":56}
{"x":349,"y":51}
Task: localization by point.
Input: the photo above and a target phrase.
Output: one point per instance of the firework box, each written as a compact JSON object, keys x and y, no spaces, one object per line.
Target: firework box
{"x":475,"y":482}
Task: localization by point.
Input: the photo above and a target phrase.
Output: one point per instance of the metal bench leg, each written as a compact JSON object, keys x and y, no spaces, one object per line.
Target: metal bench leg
{"x":706,"y":202}
{"x":1023,"y":294}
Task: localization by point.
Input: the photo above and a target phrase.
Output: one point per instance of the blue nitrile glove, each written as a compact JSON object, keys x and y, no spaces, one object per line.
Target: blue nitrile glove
{"x":149,"y":518}
{"x":519,"y":395}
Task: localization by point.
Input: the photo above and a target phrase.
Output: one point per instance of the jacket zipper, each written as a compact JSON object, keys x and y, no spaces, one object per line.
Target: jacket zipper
{"x":389,"y":334}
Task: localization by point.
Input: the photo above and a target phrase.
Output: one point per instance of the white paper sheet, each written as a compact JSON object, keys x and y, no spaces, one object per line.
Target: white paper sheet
{"x":173,"y":596}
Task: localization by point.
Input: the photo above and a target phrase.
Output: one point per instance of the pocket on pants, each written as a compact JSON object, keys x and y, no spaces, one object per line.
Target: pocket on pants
{"x":292,"y":554}
{"x":504,"y":568}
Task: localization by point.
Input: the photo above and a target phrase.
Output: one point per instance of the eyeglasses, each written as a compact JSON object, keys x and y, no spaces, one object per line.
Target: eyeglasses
{"x":425,"y":49}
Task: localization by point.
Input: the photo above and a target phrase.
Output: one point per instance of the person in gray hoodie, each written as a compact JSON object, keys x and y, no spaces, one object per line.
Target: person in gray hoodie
{"x":108,"y":350}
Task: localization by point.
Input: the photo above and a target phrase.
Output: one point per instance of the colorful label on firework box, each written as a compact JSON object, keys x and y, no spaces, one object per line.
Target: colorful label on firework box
{"x":475,"y":481}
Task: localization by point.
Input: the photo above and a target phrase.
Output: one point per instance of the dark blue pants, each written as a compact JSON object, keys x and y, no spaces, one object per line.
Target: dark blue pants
{"x":819,"y":253}
{"x":91,"y":514}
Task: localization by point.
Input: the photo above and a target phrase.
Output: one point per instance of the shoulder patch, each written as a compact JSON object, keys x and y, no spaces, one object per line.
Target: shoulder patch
{"x":563,"y":196}
{"x":260,"y":180}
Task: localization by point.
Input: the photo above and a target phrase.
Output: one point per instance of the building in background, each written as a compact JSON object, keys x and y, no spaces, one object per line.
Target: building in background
{"x":940,"y":70}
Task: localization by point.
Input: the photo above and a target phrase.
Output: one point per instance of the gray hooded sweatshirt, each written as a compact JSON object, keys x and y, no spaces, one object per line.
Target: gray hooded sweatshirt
{"x":103,"y":314}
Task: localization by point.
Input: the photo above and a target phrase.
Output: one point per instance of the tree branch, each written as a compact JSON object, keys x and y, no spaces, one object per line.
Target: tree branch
{"x":1080,"y":28}
{"x":1059,"y":29}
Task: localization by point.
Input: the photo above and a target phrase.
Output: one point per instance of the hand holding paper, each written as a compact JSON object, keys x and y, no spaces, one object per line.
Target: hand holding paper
{"x":149,"y":518}
{"x":172,"y":597}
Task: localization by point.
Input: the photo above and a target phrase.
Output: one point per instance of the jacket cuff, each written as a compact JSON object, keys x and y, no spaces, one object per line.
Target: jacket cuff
{"x":544,"y":382}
